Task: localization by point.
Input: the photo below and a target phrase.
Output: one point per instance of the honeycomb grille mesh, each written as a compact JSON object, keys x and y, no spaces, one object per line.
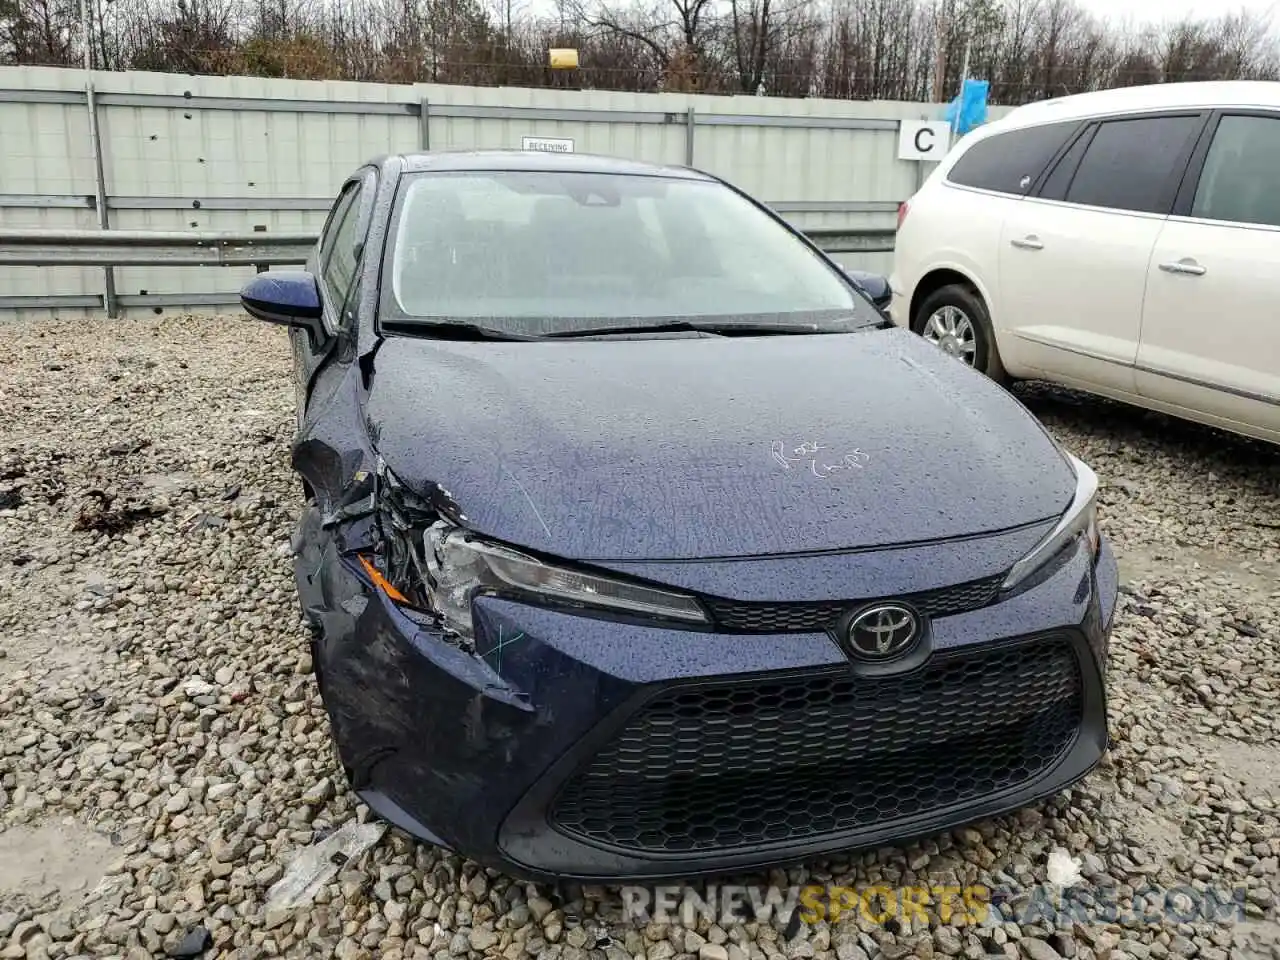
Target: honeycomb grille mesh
{"x":711,"y":768}
{"x":743,"y":616}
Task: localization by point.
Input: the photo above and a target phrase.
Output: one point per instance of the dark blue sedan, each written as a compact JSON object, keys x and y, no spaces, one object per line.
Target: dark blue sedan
{"x":638,"y":544}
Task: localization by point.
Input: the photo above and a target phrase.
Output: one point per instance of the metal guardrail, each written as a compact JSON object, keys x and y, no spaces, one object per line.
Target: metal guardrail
{"x":853,"y":241}
{"x":144,"y":248}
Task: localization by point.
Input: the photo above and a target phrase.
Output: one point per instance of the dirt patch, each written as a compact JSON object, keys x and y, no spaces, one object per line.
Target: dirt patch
{"x":20,"y":652}
{"x":168,"y":484}
{"x":56,"y":653}
{"x":1158,"y":831}
{"x":1256,"y":939}
{"x":62,"y":860}
{"x":1257,"y":768}
{"x":1258,"y":577}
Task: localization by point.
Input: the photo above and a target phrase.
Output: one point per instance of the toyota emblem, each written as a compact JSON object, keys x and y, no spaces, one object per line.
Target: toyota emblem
{"x":883,"y":631}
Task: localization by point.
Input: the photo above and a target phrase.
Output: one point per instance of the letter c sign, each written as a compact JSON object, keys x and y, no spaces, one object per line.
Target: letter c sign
{"x":923,"y":139}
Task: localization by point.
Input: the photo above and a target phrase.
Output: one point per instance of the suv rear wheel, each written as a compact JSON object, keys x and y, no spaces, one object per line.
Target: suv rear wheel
{"x":955,"y":319}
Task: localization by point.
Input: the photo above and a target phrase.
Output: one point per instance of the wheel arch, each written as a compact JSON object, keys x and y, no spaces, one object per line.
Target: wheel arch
{"x":944,"y":275}
{"x":935,"y":279}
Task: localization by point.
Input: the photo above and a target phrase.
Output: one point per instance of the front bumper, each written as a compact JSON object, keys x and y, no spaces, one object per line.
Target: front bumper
{"x":580,"y":748}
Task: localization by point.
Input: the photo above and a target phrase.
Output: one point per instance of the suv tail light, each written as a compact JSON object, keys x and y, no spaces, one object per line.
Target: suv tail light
{"x":903,"y":207}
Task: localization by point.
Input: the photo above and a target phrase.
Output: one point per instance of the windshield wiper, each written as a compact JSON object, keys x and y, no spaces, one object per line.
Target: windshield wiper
{"x":720,"y":329}
{"x":446,"y":330}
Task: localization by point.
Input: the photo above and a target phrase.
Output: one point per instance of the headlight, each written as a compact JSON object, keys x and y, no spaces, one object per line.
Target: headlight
{"x":460,"y":565}
{"x":1080,"y":520}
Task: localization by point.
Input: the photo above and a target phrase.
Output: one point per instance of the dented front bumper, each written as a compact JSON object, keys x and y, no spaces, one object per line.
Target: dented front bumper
{"x":481,"y":751}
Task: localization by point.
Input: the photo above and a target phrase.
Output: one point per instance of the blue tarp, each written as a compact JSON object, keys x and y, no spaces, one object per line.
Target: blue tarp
{"x":969,"y":109}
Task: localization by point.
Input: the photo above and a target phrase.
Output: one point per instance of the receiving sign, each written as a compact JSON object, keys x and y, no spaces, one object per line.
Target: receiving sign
{"x":551,"y":144}
{"x":923,"y":139}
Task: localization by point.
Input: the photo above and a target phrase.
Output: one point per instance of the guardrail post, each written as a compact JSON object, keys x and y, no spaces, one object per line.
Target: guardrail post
{"x":424,"y":123}
{"x":690,"y":121}
{"x":100,"y":196}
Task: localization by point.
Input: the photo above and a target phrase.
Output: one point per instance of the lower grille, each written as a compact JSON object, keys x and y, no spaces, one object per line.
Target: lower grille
{"x":715,"y":767}
{"x":753,"y":616}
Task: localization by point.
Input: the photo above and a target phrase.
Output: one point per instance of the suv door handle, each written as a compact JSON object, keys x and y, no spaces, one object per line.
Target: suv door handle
{"x":1186,"y":265}
{"x":1029,"y":242}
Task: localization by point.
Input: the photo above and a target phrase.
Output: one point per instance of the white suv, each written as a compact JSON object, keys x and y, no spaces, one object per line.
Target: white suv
{"x":1125,"y":243}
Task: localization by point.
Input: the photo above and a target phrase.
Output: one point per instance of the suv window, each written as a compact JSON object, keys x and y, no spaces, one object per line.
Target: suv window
{"x":1059,"y":178}
{"x":1239,"y":180}
{"x":1010,"y":162}
{"x":1130,"y":163}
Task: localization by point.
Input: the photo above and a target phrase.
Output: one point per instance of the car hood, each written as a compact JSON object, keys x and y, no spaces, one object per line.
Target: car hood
{"x":680,"y":448}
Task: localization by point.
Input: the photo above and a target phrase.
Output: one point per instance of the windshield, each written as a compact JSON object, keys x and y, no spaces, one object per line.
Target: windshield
{"x":536,"y":253}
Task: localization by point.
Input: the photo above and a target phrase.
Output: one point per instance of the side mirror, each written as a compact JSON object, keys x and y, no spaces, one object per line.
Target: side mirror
{"x":287,"y":297}
{"x":874,"y":285}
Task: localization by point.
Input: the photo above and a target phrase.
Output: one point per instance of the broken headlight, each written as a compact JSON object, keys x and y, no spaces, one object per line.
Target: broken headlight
{"x":1080,"y":521}
{"x":459,"y":565}
{"x":433,"y":564}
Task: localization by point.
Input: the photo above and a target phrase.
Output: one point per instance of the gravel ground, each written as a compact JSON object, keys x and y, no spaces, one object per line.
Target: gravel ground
{"x":164,"y":754}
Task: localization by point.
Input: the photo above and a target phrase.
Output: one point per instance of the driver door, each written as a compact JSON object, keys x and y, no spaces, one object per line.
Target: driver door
{"x":336,"y":265}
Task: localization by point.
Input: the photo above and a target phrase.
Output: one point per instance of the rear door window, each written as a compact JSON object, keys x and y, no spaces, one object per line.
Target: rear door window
{"x":1059,"y":179}
{"x":1135,"y":164}
{"x":1240,"y":181}
{"x":1010,"y":162}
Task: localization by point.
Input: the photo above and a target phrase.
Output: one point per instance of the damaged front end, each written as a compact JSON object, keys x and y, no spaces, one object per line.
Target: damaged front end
{"x":456,"y":670}
{"x":415,"y":708}
{"x":403,"y":560}
{"x":436,"y":566}
{"x":538,"y":714}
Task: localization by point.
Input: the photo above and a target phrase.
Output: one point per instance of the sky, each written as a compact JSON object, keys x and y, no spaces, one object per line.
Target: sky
{"x":1149,"y":11}
{"x":1119,"y":12}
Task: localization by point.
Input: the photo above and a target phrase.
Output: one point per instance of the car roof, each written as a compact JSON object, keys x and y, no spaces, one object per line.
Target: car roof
{"x":1198,"y":95}
{"x":540,"y":160}
{"x":1160,"y":96}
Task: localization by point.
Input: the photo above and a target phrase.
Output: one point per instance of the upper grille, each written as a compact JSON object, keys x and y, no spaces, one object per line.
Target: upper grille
{"x":748,"y":616}
{"x":714,"y":767}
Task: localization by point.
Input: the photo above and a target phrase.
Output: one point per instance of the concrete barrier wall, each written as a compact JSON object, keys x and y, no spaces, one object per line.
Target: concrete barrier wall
{"x":148,"y":151}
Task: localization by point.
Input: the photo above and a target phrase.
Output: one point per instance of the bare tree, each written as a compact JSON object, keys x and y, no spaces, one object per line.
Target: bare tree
{"x":883,"y":49}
